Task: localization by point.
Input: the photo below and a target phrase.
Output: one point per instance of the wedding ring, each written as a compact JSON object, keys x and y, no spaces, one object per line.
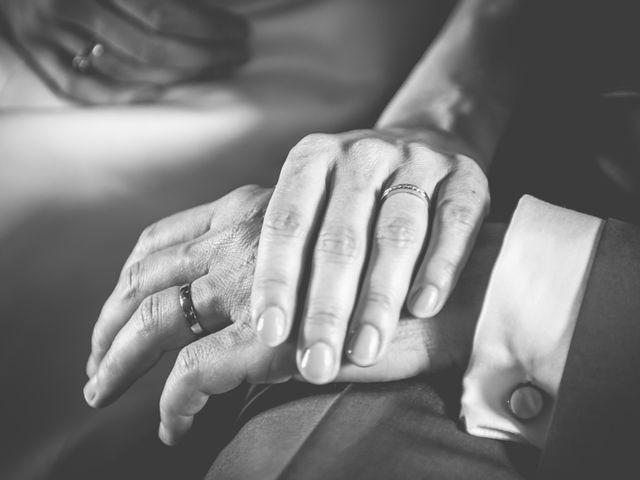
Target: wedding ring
{"x":83,"y":61}
{"x":189,"y":311}
{"x":406,"y":188}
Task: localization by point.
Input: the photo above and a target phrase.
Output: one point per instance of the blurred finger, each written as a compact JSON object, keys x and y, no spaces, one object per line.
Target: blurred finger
{"x":53,"y":63}
{"x":145,"y":46}
{"x":93,"y":56}
{"x":400,"y":231}
{"x":189,"y":19}
{"x":461,"y":205}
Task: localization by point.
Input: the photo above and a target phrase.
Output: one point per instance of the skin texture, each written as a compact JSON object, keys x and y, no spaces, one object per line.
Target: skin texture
{"x":343,"y":262}
{"x":147,"y":45}
{"x":214,"y":246}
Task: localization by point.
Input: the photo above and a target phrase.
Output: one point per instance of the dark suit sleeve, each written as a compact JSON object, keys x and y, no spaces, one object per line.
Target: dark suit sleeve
{"x":595,"y":428}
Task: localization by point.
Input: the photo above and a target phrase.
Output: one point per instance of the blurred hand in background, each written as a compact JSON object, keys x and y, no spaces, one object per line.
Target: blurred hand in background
{"x":124,"y":51}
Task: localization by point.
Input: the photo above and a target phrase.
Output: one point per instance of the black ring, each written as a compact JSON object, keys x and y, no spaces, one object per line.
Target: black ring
{"x":189,"y":311}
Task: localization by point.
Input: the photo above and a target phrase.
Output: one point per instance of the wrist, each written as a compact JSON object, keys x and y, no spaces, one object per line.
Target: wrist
{"x":455,"y":119}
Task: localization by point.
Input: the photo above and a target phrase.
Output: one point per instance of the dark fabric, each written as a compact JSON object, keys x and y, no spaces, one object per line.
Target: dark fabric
{"x":402,"y":430}
{"x":595,"y":431}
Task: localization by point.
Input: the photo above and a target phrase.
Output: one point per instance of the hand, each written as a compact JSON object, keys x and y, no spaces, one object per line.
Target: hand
{"x":325,"y":223}
{"x":213,"y":248}
{"x":143,"y":45}
{"x":220,"y":362}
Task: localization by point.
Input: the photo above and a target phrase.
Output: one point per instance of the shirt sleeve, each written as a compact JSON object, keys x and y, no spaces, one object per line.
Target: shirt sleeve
{"x":527,"y":320}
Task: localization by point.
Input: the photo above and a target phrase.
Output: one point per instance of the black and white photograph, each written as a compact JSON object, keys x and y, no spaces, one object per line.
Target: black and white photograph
{"x":319,"y":239}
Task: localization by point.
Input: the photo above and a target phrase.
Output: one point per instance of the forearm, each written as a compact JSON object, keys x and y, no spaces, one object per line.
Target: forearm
{"x":465,"y":84}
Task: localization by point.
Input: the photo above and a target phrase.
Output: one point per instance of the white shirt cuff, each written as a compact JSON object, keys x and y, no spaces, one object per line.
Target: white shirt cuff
{"x":527,"y":321}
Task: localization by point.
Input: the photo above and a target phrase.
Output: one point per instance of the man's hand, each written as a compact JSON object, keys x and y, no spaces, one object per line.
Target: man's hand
{"x":214,"y":247}
{"x":124,"y":51}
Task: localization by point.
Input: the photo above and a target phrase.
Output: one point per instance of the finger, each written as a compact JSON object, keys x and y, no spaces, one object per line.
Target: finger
{"x":338,"y":258}
{"x":461,"y":205}
{"x":398,"y":239}
{"x":145,"y":46}
{"x":189,"y":224}
{"x":93,"y":56}
{"x":173,"y":230}
{"x":212,"y":365}
{"x":53,"y":63}
{"x":174,"y":266}
{"x":156,"y":327}
{"x":407,"y":355}
{"x":185,"y":19}
{"x":290,"y":219}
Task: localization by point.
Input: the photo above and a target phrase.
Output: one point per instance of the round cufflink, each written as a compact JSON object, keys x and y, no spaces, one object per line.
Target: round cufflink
{"x":526,"y":402}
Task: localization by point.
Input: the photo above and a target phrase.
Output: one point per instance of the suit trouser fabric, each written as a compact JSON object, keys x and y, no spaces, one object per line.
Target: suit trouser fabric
{"x":403,"y":430}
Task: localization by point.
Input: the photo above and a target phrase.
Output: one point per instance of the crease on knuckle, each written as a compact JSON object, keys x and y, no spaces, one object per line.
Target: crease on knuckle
{"x":285,"y":222}
{"x":271,"y":282}
{"x":337,"y":244}
{"x":149,"y":316}
{"x":399,"y":233}
{"x":372,"y":148}
{"x":133,"y":281}
{"x":381,"y":300}
{"x":188,"y":362}
{"x":325,"y":317}
{"x":461,"y":216}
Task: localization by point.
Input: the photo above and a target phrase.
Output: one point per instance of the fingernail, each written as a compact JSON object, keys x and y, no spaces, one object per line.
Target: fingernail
{"x":365,"y":345}
{"x":271,"y":326}
{"x":90,"y":391}
{"x":318,"y":363}
{"x":424,"y":301}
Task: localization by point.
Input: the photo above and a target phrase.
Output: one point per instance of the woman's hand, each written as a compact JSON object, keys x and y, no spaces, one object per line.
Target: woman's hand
{"x":334,"y":256}
{"x":123,"y":51}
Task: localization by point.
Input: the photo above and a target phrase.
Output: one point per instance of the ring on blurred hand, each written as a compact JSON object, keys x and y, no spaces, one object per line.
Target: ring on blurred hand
{"x":82,"y":62}
{"x":189,"y":311}
{"x":406,"y":188}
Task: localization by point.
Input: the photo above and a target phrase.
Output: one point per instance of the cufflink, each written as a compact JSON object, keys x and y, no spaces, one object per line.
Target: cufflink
{"x":526,"y":402}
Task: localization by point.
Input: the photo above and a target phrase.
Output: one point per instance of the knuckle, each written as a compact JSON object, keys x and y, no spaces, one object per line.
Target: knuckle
{"x":188,"y":361}
{"x":338,"y":243}
{"x":462,"y":216}
{"x":400,"y":233}
{"x":190,"y":254}
{"x":149,"y":317}
{"x":133,"y":280}
{"x":324,"y":317}
{"x":381,"y":300}
{"x":316,"y":147}
{"x":285,"y":222}
{"x":146,"y":237}
{"x":272,"y":282}
{"x":372,"y":147}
